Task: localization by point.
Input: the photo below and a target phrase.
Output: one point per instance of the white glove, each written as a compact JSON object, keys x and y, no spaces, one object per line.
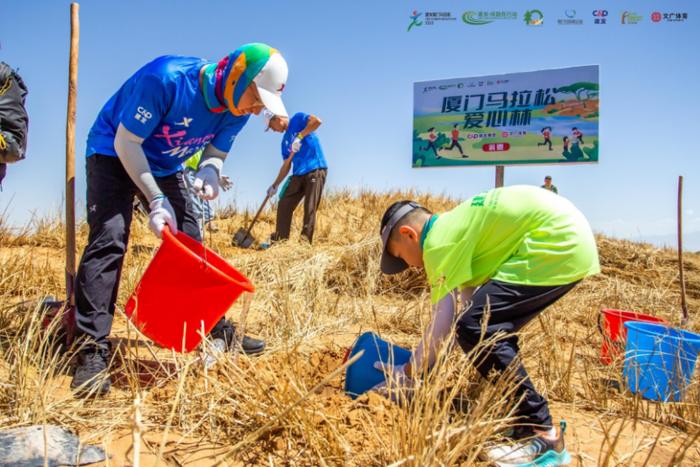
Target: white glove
{"x":271,"y":191}
{"x":397,"y":386}
{"x":225,"y":183}
{"x":396,"y":374}
{"x":296,"y":144}
{"x":161,"y":214}
{"x":206,"y":183}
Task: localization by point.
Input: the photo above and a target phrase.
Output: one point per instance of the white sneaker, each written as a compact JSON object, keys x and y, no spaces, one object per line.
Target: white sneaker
{"x":533,"y":452}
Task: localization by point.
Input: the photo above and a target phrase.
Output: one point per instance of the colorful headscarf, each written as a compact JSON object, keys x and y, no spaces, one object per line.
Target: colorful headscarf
{"x":224,"y":83}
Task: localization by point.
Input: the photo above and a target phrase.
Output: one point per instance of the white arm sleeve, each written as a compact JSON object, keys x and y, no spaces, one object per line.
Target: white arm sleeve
{"x":437,"y":331}
{"x":214,"y":158}
{"x":132,"y":157}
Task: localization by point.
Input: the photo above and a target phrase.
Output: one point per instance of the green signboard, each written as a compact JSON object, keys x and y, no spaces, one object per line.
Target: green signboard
{"x":538,"y":117}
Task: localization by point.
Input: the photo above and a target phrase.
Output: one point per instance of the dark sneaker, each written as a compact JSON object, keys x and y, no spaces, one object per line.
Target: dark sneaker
{"x":226,"y":331}
{"x":91,"y":376}
{"x":532,"y":452}
{"x":252,"y":346}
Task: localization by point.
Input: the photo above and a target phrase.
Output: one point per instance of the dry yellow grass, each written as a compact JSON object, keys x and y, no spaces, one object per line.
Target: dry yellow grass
{"x":287,"y":406}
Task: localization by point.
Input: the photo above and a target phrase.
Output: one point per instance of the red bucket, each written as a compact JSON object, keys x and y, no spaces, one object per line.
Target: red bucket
{"x":186,"y":288}
{"x":614,"y":333}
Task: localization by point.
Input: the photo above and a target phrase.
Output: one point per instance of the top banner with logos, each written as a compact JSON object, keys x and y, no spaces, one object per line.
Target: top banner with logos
{"x":536,"y":18}
{"x":538,"y":117}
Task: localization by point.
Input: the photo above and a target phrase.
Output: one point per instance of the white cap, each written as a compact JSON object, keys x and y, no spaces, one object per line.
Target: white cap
{"x":270,"y":82}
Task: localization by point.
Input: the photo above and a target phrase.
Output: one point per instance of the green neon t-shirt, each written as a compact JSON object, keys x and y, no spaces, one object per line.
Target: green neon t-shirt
{"x":519,"y":234}
{"x":193,"y":162}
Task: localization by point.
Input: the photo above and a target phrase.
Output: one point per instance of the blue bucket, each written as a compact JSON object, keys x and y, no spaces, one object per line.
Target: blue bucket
{"x":361,"y":376}
{"x":659,"y":360}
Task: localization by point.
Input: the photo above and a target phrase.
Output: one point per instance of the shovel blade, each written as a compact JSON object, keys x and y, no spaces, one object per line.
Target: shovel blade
{"x":243,"y":239}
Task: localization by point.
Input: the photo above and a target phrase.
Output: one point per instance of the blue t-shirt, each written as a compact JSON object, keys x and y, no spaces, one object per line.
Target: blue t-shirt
{"x":310,"y":156}
{"x":162,"y":103}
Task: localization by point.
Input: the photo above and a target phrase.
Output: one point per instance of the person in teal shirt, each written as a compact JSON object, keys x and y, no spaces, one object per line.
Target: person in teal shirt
{"x":509,"y":253}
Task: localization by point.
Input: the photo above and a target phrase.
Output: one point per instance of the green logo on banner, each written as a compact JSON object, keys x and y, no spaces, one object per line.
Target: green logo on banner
{"x":414,"y":20}
{"x":534,"y":18}
{"x":470,"y":17}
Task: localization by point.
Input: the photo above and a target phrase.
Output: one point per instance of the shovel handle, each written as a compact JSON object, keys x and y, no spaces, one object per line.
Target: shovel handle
{"x":257,"y":214}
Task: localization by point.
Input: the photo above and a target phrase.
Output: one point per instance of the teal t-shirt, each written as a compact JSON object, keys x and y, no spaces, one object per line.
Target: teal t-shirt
{"x":519,"y":234}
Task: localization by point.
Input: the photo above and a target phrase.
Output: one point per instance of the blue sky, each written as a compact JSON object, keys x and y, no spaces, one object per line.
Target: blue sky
{"x":354,"y":64}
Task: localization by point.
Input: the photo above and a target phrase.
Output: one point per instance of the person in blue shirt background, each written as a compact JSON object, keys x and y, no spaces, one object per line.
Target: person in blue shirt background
{"x":301,"y":151}
{"x":168,"y":110}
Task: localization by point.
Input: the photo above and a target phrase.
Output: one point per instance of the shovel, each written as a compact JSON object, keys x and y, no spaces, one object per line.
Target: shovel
{"x":243,"y":238}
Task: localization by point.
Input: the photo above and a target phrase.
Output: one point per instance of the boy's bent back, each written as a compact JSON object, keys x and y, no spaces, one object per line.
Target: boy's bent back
{"x":519,"y":234}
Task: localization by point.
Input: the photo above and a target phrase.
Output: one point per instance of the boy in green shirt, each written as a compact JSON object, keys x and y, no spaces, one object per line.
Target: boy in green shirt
{"x":513,"y":251}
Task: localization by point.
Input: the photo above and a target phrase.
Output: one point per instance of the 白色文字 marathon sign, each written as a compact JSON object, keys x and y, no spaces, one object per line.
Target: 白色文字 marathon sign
{"x":538,"y":117}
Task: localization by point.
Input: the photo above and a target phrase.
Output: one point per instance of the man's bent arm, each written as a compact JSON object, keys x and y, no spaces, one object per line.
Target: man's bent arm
{"x":284,"y":170}
{"x":132,"y":157}
{"x":311,"y":125}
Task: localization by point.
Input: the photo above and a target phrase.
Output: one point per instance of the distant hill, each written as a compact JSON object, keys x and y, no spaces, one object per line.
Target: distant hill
{"x":691,"y":240}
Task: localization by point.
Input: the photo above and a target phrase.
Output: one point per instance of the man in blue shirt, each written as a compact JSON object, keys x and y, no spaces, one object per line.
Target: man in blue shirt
{"x":167,"y":111}
{"x":301,"y":150}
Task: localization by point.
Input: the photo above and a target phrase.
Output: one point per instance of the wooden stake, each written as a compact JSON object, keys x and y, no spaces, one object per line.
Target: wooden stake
{"x":70,"y":152}
{"x":136,"y":429}
{"x":684,"y":304}
{"x":500,"y":175}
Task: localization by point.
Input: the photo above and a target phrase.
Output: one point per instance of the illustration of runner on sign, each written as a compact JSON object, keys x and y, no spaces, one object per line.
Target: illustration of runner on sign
{"x":431,"y":142}
{"x":455,"y":142}
{"x":547,"y":134}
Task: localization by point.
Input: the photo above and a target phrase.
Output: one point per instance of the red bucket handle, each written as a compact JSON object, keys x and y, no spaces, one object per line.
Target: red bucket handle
{"x":600,"y":324}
